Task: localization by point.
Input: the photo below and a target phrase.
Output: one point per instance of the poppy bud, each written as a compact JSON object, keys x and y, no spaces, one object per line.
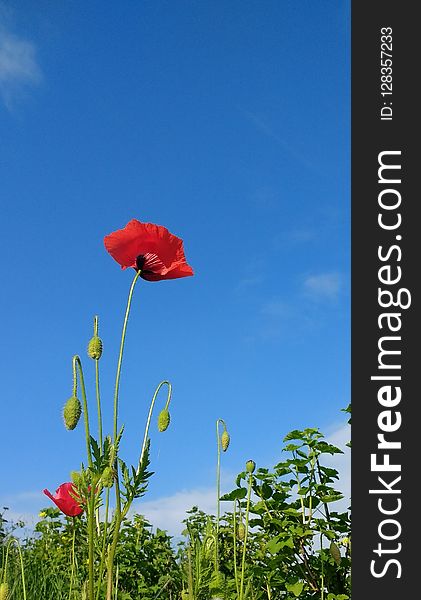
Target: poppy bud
{"x":107,"y":477}
{"x":241,"y":531}
{"x":163,"y":419}
{"x":71,"y":412}
{"x":4,"y":591}
{"x":335,"y":552}
{"x":225,"y":440}
{"x":95,"y":348}
{"x":250,"y":466}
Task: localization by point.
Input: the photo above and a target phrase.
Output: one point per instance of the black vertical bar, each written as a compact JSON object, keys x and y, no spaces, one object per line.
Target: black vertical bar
{"x":386,"y":529}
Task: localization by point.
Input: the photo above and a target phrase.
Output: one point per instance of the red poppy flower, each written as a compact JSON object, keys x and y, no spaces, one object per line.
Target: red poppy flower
{"x":64,"y":499}
{"x":148,"y":248}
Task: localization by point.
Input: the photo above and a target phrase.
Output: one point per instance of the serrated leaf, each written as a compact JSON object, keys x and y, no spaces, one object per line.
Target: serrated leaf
{"x":296,"y":434}
{"x":237,"y":494}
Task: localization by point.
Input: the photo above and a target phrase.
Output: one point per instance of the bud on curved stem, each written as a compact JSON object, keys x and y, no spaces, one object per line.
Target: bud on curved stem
{"x":77,"y":365}
{"x":164,"y":417}
{"x":222,"y":442}
{"x":250,"y":466}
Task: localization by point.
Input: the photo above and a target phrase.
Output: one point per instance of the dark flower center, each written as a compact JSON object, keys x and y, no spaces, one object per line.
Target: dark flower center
{"x":148,"y":263}
{"x":140,"y":261}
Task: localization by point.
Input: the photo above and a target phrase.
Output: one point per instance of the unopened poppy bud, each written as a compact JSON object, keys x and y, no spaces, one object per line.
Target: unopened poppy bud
{"x":225,"y":440}
{"x":71,"y":412}
{"x":241,"y":531}
{"x":163,"y":419}
{"x":95,"y":348}
{"x":250,"y":466}
{"x":107,"y":477}
{"x":4,"y":591}
{"x":335,"y":552}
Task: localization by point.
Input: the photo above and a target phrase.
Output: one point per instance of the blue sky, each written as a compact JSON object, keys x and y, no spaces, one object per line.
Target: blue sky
{"x":229,"y":124}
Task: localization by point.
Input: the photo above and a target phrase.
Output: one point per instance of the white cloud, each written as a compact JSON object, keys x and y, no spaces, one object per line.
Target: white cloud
{"x":339,"y":437}
{"x":18,"y":66}
{"x":324,"y":286}
{"x":169,"y":512}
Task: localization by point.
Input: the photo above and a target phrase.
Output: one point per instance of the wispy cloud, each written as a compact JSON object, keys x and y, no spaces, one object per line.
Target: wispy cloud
{"x":323,"y":286}
{"x":168,"y":512}
{"x":19,"y":68}
{"x":261,"y":124}
{"x":276,"y":308}
{"x":339,"y":436}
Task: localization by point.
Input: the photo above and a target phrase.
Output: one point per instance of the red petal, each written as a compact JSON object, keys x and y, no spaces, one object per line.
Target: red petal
{"x":137,"y":238}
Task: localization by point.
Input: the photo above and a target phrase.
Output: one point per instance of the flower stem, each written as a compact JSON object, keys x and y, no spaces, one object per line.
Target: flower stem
{"x":73,"y":558}
{"x":145,"y":437}
{"x":118,"y":516}
{"x":120,"y":356}
{"x":91,"y":531}
{"x":97,"y":392}
{"x":218,"y":494}
{"x":235,"y":546}
{"x":77,"y":363}
{"x":104,"y":542}
{"x":243,"y":562}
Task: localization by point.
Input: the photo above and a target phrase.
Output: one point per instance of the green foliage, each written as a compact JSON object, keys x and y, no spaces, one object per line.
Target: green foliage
{"x":297,"y":544}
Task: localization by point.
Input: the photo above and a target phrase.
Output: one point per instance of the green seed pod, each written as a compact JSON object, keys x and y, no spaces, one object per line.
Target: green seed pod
{"x":71,"y":412}
{"x":241,"y":531}
{"x":335,"y":552}
{"x":163,"y":419}
{"x":95,"y":348}
{"x":225,"y":440}
{"x":107,"y":477}
{"x":250,"y":466}
{"x":4,"y":591}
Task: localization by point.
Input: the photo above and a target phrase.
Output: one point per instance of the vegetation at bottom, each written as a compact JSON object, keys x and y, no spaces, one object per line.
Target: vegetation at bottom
{"x":279,"y":537}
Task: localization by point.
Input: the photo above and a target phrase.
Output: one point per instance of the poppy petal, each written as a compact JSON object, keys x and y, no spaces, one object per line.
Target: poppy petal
{"x":161,"y":252}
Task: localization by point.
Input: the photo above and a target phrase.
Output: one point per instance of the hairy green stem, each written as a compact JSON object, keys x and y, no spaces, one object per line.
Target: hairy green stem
{"x":97,"y":392}
{"x":151,"y":407}
{"x":104,"y":543}
{"x":235,"y":547}
{"x":118,"y":516}
{"x":243,"y":562}
{"x":22,"y":570}
{"x":78,"y":365}
{"x":120,"y":356}
{"x":91,"y":533}
{"x":218,"y":493}
{"x":72,"y":573}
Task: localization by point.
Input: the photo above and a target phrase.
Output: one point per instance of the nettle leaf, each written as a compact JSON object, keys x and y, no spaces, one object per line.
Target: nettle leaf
{"x":296,"y":434}
{"x":332,"y":497}
{"x":329,"y":473}
{"x":295,"y":588}
{"x":292,"y":447}
{"x":274,"y":545}
{"x":325,"y":448}
{"x":266,"y":491}
{"x":238,"y":494}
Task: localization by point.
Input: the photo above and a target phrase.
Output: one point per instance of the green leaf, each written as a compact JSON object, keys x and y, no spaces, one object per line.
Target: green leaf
{"x":266,"y":491}
{"x":237,"y":494}
{"x":274,"y":545}
{"x":296,"y":434}
{"x":295,"y":588}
